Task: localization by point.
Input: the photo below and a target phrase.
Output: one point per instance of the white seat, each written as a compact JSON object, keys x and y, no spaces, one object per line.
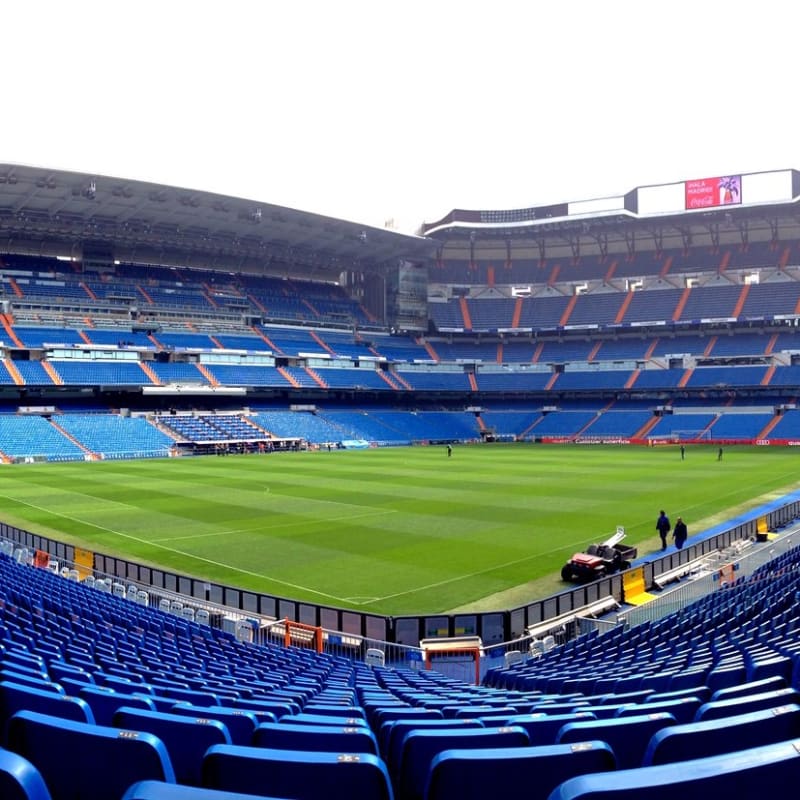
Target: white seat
{"x":74,"y":575}
{"x":537,"y":648}
{"x":142,"y":598}
{"x":202,"y":616}
{"x":89,"y":581}
{"x":512,"y":657}
{"x":119,"y":589}
{"x":163,"y":604}
{"x":187,"y":612}
{"x":375,"y":657}
{"x":132,"y":592}
{"x":176,"y":606}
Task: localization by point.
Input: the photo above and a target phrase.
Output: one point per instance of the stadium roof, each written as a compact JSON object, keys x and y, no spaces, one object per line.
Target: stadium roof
{"x":86,"y":216}
{"x":764,"y":206}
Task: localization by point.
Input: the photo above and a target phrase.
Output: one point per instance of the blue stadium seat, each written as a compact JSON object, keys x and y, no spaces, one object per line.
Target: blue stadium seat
{"x":158,"y":790}
{"x":398,"y":731}
{"x":317,"y":738}
{"x":753,"y":687}
{"x":105,"y":701}
{"x":240,"y":724}
{"x":627,"y":736}
{"x":746,"y":775}
{"x":715,"y":709}
{"x":683,"y":709}
{"x":19,"y":779}
{"x":723,"y":735}
{"x":477,"y":774}
{"x":81,"y":760}
{"x":296,"y":774}
{"x":309,"y":718}
{"x":186,"y":738}
{"x":544,"y":728}
{"x":19,"y":697}
{"x":420,"y":747}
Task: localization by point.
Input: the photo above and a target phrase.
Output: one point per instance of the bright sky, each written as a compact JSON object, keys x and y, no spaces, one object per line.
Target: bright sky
{"x":375,"y":109}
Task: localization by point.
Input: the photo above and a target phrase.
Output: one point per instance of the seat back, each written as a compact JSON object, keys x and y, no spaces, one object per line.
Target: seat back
{"x":683,"y":709}
{"x":753,"y":687}
{"x":420,"y":747}
{"x":16,"y":697}
{"x":19,"y":779}
{"x":758,"y":772}
{"x":714,"y":709}
{"x":81,"y":760}
{"x":317,"y":738}
{"x":301,"y":775}
{"x":186,"y":738}
{"x":240,"y":724}
{"x":543,"y":728}
{"x":104,"y":701}
{"x":724,"y":735}
{"x":158,"y":790}
{"x":402,"y":727}
{"x":475,"y":773}
{"x":627,"y":736}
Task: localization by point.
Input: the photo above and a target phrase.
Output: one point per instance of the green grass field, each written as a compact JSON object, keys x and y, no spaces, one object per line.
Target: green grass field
{"x":392,"y":531}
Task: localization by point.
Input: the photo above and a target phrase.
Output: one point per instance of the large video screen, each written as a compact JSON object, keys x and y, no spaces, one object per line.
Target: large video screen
{"x":713,"y":192}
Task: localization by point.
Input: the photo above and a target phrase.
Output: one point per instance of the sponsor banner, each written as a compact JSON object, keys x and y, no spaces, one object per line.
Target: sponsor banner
{"x":713,"y":192}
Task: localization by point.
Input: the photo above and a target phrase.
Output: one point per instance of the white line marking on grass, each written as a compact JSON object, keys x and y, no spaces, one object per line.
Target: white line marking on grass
{"x":175,"y":550}
{"x":464,"y":577}
{"x":261,"y":525}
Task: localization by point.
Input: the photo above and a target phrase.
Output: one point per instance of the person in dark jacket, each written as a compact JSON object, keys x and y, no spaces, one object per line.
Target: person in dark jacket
{"x":680,"y":533}
{"x":663,"y":527}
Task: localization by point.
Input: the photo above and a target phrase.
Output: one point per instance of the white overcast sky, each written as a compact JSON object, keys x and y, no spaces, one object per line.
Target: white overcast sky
{"x":377,"y":109}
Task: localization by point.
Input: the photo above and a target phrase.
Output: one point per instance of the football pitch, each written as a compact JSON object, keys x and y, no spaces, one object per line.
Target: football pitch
{"x":395,"y":530}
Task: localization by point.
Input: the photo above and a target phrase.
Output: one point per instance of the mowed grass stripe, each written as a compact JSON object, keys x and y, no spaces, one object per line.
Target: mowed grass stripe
{"x":395,"y":530}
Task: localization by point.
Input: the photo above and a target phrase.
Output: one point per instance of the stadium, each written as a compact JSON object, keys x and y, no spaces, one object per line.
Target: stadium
{"x":211,"y":409}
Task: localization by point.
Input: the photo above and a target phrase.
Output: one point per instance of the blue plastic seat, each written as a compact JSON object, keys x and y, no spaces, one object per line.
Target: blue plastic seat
{"x":714,"y":709}
{"x":683,"y":709}
{"x":90,"y":762}
{"x":158,"y":790}
{"x":105,"y":701}
{"x":420,"y":747}
{"x":240,"y":723}
{"x":317,"y":738}
{"x":399,"y":729}
{"x":723,"y":735}
{"x":186,"y":738}
{"x":746,"y":775}
{"x":19,"y":779}
{"x":476,"y":774}
{"x":327,"y":720}
{"x":544,"y":728}
{"x":627,"y":736}
{"x":16,"y":697}
{"x":296,"y":774}
{"x":753,"y":687}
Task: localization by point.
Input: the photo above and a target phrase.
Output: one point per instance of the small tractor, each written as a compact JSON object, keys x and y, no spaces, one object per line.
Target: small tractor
{"x":599,"y":560}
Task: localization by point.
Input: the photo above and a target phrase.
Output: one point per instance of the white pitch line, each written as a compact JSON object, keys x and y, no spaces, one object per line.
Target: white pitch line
{"x":468,"y":575}
{"x":280,"y":527}
{"x":174,"y":550}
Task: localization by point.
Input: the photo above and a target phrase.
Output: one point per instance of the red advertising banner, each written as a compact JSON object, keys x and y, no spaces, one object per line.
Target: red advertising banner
{"x":713,"y":192}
